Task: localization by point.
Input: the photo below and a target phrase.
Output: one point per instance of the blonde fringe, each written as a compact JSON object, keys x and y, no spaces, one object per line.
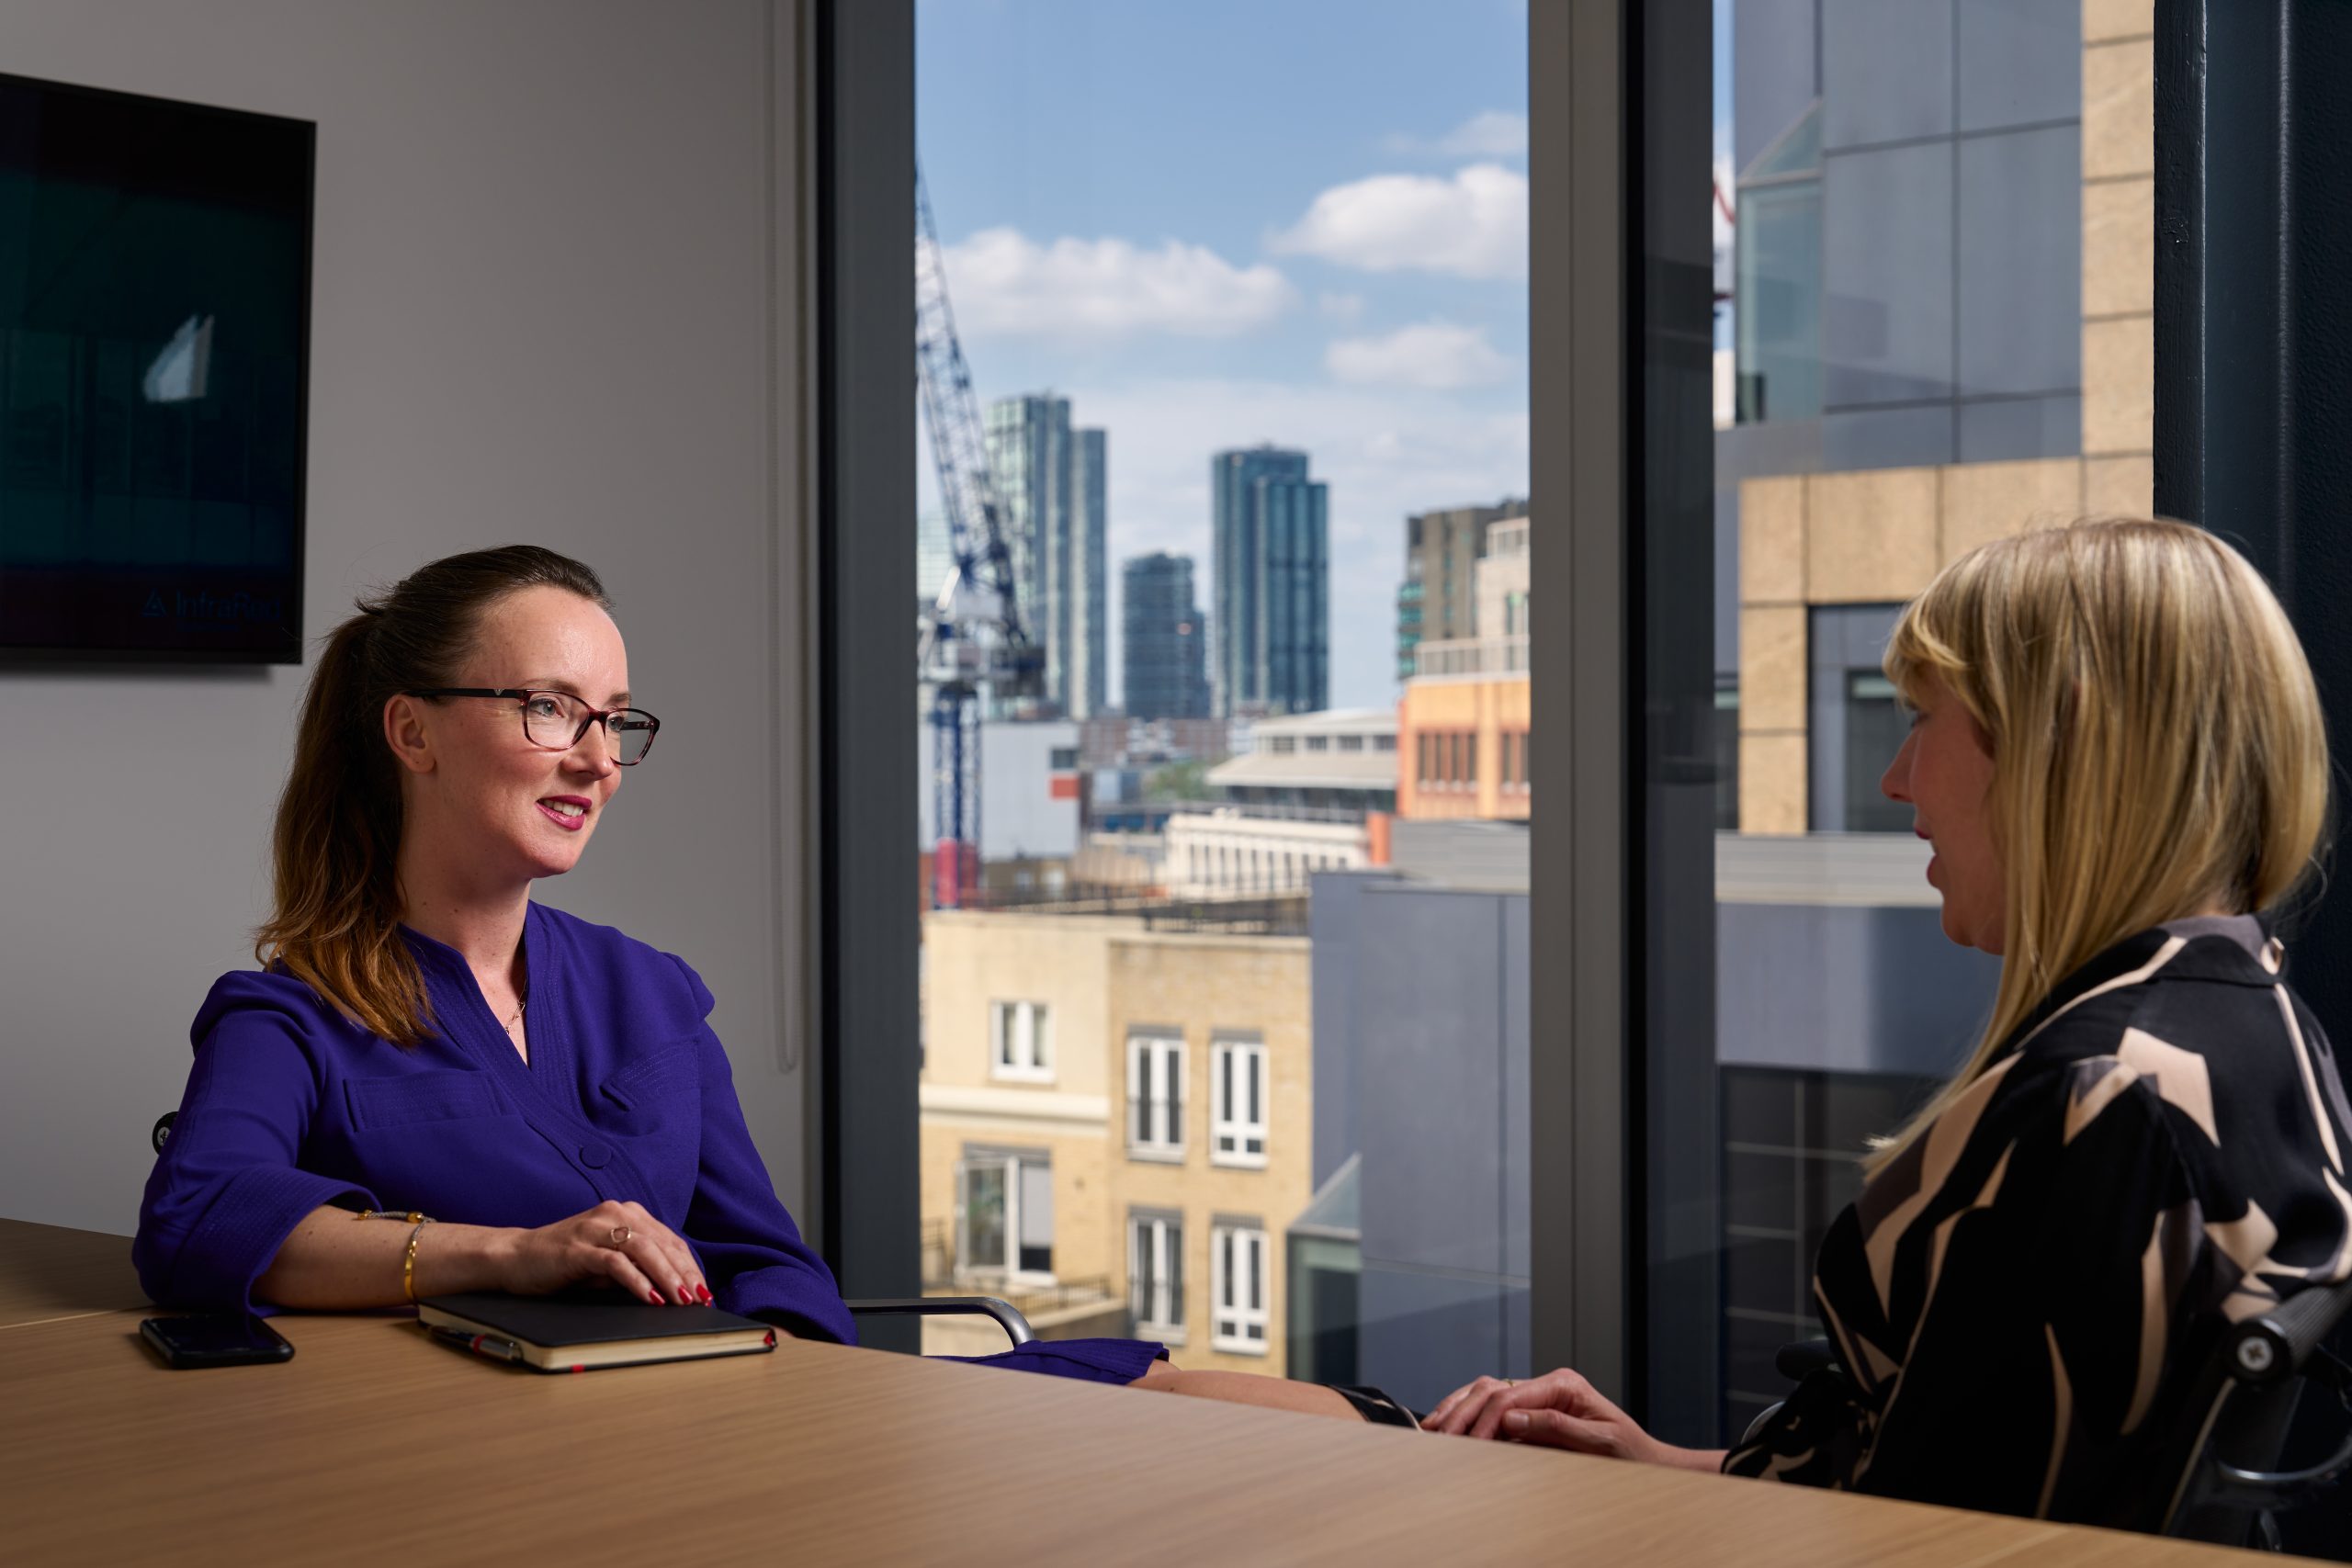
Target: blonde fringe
{"x":2158,"y":748}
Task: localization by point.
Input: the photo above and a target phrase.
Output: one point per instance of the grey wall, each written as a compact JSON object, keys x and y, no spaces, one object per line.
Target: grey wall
{"x":553,"y":301}
{"x":1882,"y":990}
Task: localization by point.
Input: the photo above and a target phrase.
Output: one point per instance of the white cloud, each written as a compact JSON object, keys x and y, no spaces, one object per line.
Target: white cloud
{"x":1340,"y":306}
{"x":1497,"y":133}
{"x":1004,"y":284}
{"x":1437,"y":355}
{"x":1473,"y":225}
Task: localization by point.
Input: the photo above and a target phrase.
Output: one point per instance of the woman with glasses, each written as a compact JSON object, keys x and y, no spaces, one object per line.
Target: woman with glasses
{"x":434,"y":1084}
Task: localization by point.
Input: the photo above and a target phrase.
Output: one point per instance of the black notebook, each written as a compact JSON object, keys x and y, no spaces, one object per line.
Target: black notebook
{"x":574,"y":1334}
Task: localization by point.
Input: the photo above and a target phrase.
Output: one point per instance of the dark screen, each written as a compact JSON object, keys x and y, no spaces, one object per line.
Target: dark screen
{"x":154,"y":309}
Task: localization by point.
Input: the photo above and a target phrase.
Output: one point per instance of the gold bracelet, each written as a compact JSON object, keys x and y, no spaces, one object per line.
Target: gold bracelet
{"x":412,"y":1217}
{"x":408,"y":1263}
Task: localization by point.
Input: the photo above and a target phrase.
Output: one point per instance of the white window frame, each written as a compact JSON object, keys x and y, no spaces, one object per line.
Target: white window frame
{"x":1163,"y":1235}
{"x":1007,"y":1267}
{"x":1021,"y":1041}
{"x":1233,"y":1139}
{"x":1232,"y":1319}
{"x":1166,"y":1048}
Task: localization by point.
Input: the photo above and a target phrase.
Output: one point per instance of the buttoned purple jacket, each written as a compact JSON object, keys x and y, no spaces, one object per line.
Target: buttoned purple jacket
{"x":627,"y":1095}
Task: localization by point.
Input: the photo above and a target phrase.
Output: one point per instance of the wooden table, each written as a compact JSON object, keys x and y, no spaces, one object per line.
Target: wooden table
{"x":376,"y":1445}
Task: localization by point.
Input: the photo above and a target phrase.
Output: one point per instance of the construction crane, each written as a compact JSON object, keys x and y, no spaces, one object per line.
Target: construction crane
{"x":972,"y":650}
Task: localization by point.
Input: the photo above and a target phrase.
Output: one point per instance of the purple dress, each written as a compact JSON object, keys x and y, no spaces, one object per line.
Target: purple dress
{"x":627,"y":1095}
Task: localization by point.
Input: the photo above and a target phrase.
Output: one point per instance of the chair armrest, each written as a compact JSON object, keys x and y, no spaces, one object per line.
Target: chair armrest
{"x":1798,"y":1361}
{"x":1008,"y":1319}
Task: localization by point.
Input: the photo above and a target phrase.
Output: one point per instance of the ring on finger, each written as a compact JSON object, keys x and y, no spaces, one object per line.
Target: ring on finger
{"x":620,"y":1237}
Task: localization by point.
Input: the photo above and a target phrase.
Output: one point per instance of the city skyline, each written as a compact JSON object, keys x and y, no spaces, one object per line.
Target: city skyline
{"x":1195,"y":292}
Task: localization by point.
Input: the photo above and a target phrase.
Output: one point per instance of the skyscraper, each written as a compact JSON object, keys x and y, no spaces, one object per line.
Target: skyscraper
{"x":1272,"y":591}
{"x":1442,"y":552}
{"x":1089,"y":595}
{"x":1167,"y":670}
{"x":1051,"y":480}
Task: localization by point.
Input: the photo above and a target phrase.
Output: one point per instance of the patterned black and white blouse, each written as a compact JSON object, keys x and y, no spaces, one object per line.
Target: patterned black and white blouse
{"x":2020,"y":1301}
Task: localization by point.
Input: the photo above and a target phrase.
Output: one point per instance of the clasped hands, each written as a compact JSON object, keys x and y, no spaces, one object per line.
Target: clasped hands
{"x":1559,"y":1410}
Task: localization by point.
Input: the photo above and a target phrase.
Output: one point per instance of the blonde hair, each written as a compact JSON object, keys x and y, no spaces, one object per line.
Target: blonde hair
{"x":2157,"y":744}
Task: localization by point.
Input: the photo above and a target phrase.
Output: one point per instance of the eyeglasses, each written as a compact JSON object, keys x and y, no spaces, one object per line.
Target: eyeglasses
{"x":555,"y":721}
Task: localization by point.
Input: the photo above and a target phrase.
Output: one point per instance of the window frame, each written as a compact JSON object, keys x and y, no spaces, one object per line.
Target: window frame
{"x":1164,"y":1232}
{"x":1223,"y":1121}
{"x":1038,"y":1063}
{"x":1590,"y":99}
{"x":1222,"y":1311}
{"x":1013,"y":1163}
{"x":1168,"y":1046}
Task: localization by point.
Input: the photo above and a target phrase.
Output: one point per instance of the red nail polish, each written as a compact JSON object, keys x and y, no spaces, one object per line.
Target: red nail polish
{"x":653,"y":1296}
{"x":704,"y":1291}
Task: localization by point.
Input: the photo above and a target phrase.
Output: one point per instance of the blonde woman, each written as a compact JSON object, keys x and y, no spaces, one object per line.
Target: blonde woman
{"x":2117,"y":754}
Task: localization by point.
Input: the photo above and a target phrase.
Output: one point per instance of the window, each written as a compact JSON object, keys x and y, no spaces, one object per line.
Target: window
{"x":1915,"y":279}
{"x":1238,"y":1287}
{"x":1303,"y":642}
{"x":1022,"y":1041}
{"x":1062,"y":759}
{"x":1239,"y":1136}
{"x":1854,"y":721}
{"x":1155,"y":1097}
{"x":1004,"y":1203}
{"x":1156,"y":1276}
{"x":1779,"y":286}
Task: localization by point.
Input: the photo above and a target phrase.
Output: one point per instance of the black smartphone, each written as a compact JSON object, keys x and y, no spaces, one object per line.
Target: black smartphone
{"x":215,"y":1339}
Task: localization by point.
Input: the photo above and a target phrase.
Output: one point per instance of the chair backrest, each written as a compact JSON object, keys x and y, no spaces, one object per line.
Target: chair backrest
{"x":160,"y":1133}
{"x":2231,"y":1429}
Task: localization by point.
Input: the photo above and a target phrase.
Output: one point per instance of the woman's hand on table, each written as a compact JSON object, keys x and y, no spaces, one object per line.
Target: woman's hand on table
{"x":1559,"y":1410}
{"x":618,"y":1244}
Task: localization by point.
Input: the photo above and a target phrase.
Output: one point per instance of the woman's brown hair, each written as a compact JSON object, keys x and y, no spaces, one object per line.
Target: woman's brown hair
{"x":336,"y":849}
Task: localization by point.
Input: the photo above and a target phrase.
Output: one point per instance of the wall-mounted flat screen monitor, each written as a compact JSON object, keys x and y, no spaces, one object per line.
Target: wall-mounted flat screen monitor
{"x":154,"y":331}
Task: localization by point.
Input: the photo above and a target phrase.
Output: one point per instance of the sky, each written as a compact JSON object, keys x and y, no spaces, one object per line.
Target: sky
{"x":1213,"y":224}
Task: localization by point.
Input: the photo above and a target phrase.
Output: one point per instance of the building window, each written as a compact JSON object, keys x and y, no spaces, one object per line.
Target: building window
{"x":1237,"y":1289}
{"x":1156,"y":1276}
{"x":1318,"y":743}
{"x":1778,"y":284}
{"x":1854,"y":721}
{"x":1021,"y":1041}
{"x":1004,"y":1207}
{"x":1156,"y":1097}
{"x":1350,"y":742}
{"x":1384,"y":743}
{"x":1238,"y":1134}
{"x":1282,"y":745}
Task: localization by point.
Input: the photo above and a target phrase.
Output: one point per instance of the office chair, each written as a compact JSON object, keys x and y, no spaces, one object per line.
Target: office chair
{"x":1008,"y":1317}
{"x":2226,"y":1445}
{"x":2234,"y":1426}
